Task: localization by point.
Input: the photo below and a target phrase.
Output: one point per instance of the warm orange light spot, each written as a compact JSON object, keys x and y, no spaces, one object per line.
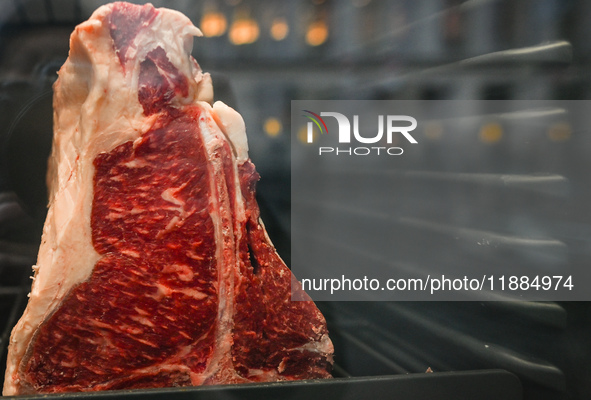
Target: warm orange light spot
{"x":559,"y":132}
{"x":279,"y":29}
{"x":272,"y":126}
{"x":213,"y":24}
{"x":303,"y":135}
{"x":317,"y":33}
{"x":244,"y":31}
{"x":433,"y":130}
{"x":491,"y":133}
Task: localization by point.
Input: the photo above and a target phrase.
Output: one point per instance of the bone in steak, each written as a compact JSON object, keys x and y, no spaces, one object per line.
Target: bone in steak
{"x":154,"y":268}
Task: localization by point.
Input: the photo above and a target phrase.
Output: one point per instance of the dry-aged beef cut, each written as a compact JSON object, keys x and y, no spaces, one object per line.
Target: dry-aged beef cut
{"x":154,"y":269}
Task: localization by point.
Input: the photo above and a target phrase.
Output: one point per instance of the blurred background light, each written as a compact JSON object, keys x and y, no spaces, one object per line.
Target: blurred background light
{"x":213,"y":24}
{"x":317,"y":33}
{"x":559,"y":132}
{"x":279,"y":29}
{"x":303,"y":135}
{"x":491,"y":133}
{"x":272,"y":126}
{"x":244,"y":30}
{"x":433,"y":130}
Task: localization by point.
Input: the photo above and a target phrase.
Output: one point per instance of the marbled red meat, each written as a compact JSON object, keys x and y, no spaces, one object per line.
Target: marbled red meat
{"x":155,"y":269}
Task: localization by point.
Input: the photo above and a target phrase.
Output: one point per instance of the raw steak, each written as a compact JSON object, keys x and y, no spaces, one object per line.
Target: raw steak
{"x":154,"y":269}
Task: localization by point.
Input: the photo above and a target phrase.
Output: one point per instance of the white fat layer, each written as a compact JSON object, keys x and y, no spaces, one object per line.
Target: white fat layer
{"x":96,"y":108}
{"x":232,"y":125}
{"x":222,"y":216}
{"x":324,"y":346}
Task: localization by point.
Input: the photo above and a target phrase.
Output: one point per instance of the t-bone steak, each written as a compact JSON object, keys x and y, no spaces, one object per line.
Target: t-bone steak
{"x":154,"y":269}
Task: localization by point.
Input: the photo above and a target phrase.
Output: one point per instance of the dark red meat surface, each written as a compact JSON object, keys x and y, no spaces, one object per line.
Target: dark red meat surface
{"x":165,"y":306}
{"x":152,"y":298}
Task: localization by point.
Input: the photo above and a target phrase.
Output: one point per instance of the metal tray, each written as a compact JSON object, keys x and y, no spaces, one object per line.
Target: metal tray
{"x":473,"y":385}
